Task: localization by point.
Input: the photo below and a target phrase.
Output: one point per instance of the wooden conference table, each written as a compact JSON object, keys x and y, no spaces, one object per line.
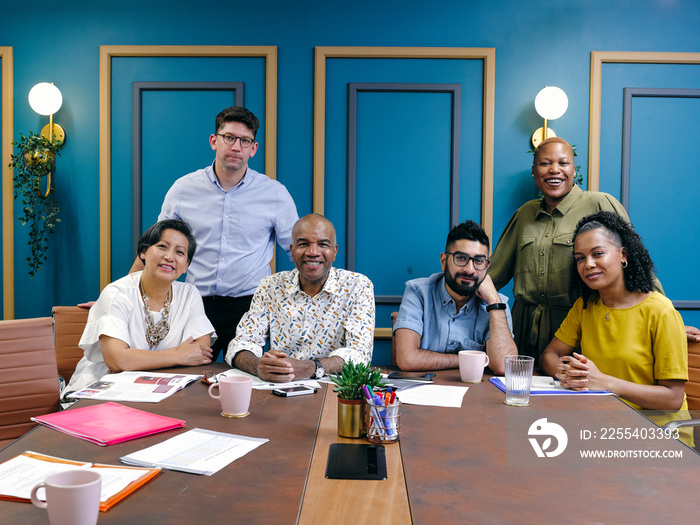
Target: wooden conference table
{"x":450,"y":466}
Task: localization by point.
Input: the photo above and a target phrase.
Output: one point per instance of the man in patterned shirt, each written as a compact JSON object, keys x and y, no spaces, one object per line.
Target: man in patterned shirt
{"x":316,"y":317}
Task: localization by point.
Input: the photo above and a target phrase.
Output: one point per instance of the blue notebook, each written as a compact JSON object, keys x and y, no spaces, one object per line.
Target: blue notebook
{"x":547,"y":386}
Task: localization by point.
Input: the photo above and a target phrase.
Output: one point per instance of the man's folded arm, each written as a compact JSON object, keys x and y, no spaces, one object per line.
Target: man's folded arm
{"x":411,"y":357}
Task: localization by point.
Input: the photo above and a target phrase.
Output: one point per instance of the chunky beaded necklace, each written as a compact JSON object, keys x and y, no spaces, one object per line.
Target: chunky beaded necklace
{"x":156,"y":332}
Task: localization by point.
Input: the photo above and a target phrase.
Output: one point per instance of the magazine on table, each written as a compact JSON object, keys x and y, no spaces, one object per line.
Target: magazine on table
{"x":147,"y":387}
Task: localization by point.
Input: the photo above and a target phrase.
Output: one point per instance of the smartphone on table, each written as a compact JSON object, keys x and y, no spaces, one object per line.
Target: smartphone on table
{"x":416,"y":376}
{"x":292,"y":391}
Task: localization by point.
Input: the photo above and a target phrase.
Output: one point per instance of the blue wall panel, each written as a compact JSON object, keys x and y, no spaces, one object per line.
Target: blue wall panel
{"x":176,"y":128}
{"x":403,"y":186}
{"x":664,"y":131}
{"x":663,"y":173}
{"x":616,"y":77}
{"x":388,"y":135}
{"x":186,"y":119}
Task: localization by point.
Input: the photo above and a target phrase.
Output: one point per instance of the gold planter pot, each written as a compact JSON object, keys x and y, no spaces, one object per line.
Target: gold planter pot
{"x":351,"y":422}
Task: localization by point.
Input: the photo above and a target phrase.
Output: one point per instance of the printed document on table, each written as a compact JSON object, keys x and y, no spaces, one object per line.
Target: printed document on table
{"x":259,"y":384}
{"x":197,"y":451}
{"x":20,"y":474}
{"x":433,"y":395}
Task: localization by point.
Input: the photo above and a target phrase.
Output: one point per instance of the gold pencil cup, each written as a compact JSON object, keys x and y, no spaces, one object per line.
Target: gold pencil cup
{"x":351,"y":418}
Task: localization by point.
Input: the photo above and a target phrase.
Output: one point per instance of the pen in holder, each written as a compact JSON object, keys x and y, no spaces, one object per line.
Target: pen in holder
{"x":382,"y":421}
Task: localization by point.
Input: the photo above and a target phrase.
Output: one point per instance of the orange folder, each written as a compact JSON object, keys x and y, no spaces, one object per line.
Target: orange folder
{"x":148,"y":474}
{"x":108,"y":423}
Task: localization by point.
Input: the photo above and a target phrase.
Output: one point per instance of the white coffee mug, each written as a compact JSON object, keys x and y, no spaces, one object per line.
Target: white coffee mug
{"x":72,"y":497}
{"x":234,"y":395}
{"x":472,"y":364}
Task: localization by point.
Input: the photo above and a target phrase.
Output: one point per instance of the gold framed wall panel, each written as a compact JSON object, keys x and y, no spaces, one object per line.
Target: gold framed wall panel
{"x":598,"y":58}
{"x":8,"y":232}
{"x":269,"y":53}
{"x":487,"y":54}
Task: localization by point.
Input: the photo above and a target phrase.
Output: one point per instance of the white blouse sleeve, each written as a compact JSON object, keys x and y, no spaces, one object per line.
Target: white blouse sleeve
{"x":108,"y":316}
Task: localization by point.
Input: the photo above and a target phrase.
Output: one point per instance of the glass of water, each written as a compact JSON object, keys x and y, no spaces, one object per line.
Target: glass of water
{"x":518,"y":379}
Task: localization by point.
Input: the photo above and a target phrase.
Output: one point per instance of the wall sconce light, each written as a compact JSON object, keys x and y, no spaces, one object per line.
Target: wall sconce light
{"x":550,"y":103}
{"x":46,"y":99}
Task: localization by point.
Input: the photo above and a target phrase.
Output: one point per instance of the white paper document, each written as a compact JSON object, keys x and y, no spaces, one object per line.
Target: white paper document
{"x":147,"y":387}
{"x":433,"y":395}
{"x":197,"y":451}
{"x":259,"y":384}
{"x":20,"y":474}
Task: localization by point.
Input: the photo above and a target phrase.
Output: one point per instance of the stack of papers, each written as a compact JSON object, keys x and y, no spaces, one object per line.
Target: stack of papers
{"x":148,"y":387}
{"x":108,"y":423}
{"x":20,"y":474}
{"x":433,"y":395}
{"x":197,"y":451}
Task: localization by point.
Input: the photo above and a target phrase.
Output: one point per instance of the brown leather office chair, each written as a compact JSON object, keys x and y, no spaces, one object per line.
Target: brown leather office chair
{"x":692,"y":393}
{"x":69,"y":323}
{"x":28,"y":375}
{"x":692,"y":386}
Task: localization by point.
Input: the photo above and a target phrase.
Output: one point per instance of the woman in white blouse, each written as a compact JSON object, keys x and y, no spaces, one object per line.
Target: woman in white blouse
{"x":148,"y":319}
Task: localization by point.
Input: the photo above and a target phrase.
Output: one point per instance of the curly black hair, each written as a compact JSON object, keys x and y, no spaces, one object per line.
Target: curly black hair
{"x":639,"y":272}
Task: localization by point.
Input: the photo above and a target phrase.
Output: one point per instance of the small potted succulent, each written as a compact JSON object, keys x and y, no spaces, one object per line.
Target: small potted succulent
{"x":351,"y":398}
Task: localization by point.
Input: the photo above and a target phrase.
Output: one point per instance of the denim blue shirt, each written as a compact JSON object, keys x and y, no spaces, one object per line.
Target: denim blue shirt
{"x":429,"y":310}
{"x":235,"y":229}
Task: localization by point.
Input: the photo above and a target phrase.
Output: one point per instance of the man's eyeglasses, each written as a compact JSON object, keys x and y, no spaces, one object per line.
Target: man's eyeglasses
{"x":230,"y":140}
{"x":480,"y":262}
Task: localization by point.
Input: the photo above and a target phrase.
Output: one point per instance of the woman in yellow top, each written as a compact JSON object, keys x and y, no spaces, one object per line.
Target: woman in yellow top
{"x":620,"y":335}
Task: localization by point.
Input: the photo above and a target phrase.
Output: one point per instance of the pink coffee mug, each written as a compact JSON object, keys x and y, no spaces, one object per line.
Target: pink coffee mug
{"x":472,"y":364}
{"x":234,"y":395}
{"x":72,"y":497}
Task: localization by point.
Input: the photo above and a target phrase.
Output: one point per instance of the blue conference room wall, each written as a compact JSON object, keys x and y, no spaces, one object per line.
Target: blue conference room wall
{"x":544,"y":42}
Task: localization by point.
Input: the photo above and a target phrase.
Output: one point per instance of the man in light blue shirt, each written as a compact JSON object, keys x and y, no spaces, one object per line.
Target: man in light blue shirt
{"x":456,"y":309}
{"x":236,"y":214}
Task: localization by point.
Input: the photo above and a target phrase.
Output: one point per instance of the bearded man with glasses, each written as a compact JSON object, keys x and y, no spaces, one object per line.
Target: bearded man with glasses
{"x":456,"y":309}
{"x":235,"y":214}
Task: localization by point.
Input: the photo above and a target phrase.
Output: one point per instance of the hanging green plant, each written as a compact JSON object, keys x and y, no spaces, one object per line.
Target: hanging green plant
{"x":34,"y":165}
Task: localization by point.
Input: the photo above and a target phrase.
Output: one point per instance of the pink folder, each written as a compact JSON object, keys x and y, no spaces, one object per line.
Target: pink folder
{"x":108,"y":423}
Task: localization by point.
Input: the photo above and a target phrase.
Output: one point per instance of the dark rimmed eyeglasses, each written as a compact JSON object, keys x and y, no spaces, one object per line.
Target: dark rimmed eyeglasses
{"x":230,"y":140}
{"x":480,"y":262}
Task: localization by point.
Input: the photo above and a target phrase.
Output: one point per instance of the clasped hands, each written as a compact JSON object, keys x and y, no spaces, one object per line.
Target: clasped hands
{"x":277,"y":367}
{"x":577,"y":372}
